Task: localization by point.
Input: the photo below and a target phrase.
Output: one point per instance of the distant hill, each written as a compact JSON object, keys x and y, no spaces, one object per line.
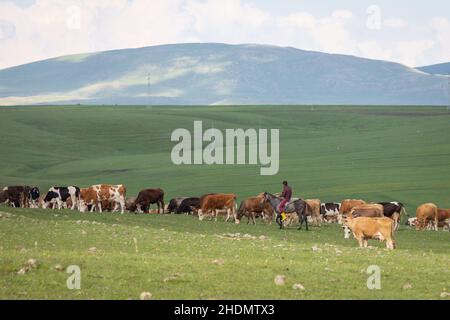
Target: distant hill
{"x":442,"y":69}
{"x":218,"y":74}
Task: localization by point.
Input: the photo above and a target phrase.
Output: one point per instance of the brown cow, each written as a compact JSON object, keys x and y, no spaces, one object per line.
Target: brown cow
{"x":210,"y":204}
{"x":88,"y":198}
{"x":425,"y":213}
{"x":346,"y":206}
{"x":147,"y":197}
{"x":364,"y":228}
{"x":252,"y":206}
{"x":367,"y":210}
{"x":16,"y":196}
{"x":315,"y":207}
{"x":349,"y":204}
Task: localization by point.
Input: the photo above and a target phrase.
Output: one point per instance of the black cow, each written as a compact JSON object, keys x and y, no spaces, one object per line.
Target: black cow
{"x":174,"y":204}
{"x":59,"y":196}
{"x":188,"y":205}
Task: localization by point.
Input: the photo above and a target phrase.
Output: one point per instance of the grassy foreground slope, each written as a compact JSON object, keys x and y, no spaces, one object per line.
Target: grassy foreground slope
{"x":374,"y":153}
{"x":179,"y":257}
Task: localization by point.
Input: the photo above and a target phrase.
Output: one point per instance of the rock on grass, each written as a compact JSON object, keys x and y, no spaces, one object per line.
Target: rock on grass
{"x":407,"y":286}
{"x":145,"y":296}
{"x":298,"y":286}
{"x":280,"y":280}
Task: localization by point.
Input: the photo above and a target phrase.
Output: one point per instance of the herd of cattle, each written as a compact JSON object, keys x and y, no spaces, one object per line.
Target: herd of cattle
{"x":363,"y":220}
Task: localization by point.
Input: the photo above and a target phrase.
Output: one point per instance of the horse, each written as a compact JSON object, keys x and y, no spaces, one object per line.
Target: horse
{"x":298,"y":206}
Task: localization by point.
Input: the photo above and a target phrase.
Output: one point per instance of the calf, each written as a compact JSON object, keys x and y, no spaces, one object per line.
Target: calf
{"x":59,"y":195}
{"x":364,"y":228}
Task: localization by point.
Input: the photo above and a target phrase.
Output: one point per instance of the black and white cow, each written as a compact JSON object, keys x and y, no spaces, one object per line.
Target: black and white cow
{"x":59,"y":196}
{"x":389,"y":208}
{"x":34,"y":197}
{"x":329,"y":211}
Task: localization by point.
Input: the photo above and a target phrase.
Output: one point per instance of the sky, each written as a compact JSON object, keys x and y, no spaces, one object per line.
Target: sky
{"x":415,"y":33}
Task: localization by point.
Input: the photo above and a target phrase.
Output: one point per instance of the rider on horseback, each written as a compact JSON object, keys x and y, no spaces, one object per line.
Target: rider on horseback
{"x":286,"y":195}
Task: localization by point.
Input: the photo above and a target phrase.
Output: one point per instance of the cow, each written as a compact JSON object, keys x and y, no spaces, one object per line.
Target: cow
{"x":102,"y":197}
{"x":147,"y":197}
{"x":346,"y":206}
{"x":16,"y":196}
{"x":349,"y":204}
{"x":252,"y":206}
{"x":174,"y":204}
{"x":364,"y":228}
{"x":57,"y":196}
{"x":425,"y":213}
{"x":129,"y":203}
{"x":188,"y":205}
{"x":89,"y":200}
{"x":389,"y":208}
{"x":367,"y":210}
{"x":329,"y":211}
{"x":210,"y":204}
{"x":315,"y":207}
{"x":34,"y":196}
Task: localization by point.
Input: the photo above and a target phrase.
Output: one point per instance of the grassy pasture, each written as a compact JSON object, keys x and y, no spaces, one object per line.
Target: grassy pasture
{"x":328,"y":152}
{"x":179,"y":257}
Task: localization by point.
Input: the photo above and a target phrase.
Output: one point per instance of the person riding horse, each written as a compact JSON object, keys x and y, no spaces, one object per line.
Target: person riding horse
{"x":286,"y":194}
{"x":300,"y":207}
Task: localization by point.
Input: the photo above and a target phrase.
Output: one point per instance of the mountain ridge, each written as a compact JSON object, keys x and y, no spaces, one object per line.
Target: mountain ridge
{"x":215,"y":73}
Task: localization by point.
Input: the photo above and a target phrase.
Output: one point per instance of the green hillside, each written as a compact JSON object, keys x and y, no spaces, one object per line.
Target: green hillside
{"x":329,"y":152}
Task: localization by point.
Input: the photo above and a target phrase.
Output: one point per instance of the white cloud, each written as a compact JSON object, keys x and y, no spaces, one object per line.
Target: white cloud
{"x":373,"y":48}
{"x":50,"y":28}
{"x":395,"y":23}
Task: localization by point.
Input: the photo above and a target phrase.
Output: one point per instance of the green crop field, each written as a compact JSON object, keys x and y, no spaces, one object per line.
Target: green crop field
{"x":326,"y":152}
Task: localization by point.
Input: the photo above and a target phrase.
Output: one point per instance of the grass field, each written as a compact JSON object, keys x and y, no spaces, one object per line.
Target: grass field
{"x":328,"y":152}
{"x":179,"y":257}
